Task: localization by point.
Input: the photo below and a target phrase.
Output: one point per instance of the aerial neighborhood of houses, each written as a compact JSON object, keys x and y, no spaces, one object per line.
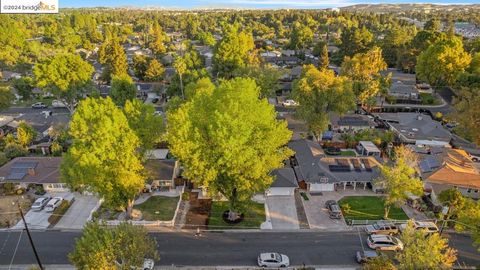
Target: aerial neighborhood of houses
{"x":160,"y":126}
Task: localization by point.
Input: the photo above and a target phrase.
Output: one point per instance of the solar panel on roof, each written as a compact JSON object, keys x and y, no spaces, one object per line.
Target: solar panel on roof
{"x":16,"y":176}
{"x":24,"y":165}
{"x":338,"y":168}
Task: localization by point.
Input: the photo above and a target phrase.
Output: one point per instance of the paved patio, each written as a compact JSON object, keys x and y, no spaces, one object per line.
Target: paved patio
{"x":282,"y":212}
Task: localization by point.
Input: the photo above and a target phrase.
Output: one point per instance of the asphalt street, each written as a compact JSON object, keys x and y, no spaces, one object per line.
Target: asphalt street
{"x":219,"y":249}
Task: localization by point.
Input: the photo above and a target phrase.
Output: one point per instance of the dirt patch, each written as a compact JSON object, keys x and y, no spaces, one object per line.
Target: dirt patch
{"x":10,"y":215}
{"x":197,"y":215}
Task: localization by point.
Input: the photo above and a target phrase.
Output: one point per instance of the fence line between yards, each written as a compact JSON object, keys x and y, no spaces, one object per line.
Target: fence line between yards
{"x":364,"y":222}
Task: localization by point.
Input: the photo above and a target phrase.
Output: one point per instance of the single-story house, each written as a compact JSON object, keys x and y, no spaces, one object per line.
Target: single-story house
{"x":403,"y":91}
{"x":316,"y":172}
{"x":284,"y":183}
{"x":34,"y":170}
{"x":368,"y":148}
{"x":451,"y":169}
{"x":351,"y":122}
{"x":162,"y":173}
{"x":416,"y":128}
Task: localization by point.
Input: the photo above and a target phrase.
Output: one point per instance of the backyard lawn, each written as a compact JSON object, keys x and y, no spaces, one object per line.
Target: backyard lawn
{"x":158,"y":208}
{"x":368,"y":208}
{"x":254,"y":217}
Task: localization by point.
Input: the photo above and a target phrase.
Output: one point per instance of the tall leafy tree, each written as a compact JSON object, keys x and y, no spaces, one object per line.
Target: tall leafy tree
{"x":25,"y":134}
{"x":301,"y":36}
{"x":112,"y":55}
{"x":103,"y":156}
{"x":140,"y":66}
{"x":65,"y":75}
{"x":467,"y":113}
{"x":195,"y":69}
{"x":24,"y":87}
{"x":266,"y":77}
{"x":469,"y":220}
{"x":364,"y":71}
{"x":422,"y":251}
{"x":379,"y":263}
{"x":142,"y":119}
{"x":319,"y":93}
{"x":398,"y":179}
{"x":324,"y":60}
{"x":122,"y":247}
{"x":234,"y":50}
{"x":6,"y":97}
{"x":454,"y":200}
{"x":229,"y":140}
{"x":154,"y":72}
{"x":442,"y":62}
{"x":122,"y":89}
{"x":355,"y":40}
{"x":180,"y":66}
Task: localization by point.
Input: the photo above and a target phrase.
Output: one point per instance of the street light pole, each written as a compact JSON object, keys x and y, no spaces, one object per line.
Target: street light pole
{"x":30,"y":237}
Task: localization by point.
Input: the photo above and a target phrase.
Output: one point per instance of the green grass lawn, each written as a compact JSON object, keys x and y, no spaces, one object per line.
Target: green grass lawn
{"x":254,"y":217}
{"x":368,"y":207}
{"x":348,"y":153}
{"x":158,"y":208}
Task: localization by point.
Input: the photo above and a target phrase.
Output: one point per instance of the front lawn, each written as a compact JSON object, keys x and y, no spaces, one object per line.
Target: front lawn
{"x":348,"y":153}
{"x":158,"y":208}
{"x":254,"y":217}
{"x":368,"y":208}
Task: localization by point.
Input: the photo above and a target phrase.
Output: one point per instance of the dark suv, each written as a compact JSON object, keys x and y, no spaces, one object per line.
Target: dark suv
{"x":334,"y":210}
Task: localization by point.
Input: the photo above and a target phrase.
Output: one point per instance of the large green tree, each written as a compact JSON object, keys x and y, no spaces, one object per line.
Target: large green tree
{"x":6,"y":97}
{"x":154,"y":71}
{"x":142,"y":119}
{"x":25,"y":134}
{"x":266,"y":77}
{"x":319,"y":93}
{"x":422,"y":251}
{"x":301,"y":36}
{"x":65,"y":75}
{"x":363,"y":70}
{"x":229,"y":140}
{"x":398,"y":179}
{"x":103,"y":156}
{"x":234,"y":50}
{"x":442,"y":62}
{"x":122,"y":247}
{"x":24,"y":87}
{"x":122,"y":89}
{"x":112,"y":56}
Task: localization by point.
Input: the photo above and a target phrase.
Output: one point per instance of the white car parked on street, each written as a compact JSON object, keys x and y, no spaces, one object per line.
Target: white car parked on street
{"x":384,"y":242}
{"x":289,"y":103}
{"x":273,"y":259}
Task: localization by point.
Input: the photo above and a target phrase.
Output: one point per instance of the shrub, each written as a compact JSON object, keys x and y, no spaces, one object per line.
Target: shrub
{"x":3,"y":158}
{"x":9,"y":188}
{"x":14,"y":150}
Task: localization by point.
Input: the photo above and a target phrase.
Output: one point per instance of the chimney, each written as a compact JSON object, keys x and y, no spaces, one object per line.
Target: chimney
{"x":31,"y":171}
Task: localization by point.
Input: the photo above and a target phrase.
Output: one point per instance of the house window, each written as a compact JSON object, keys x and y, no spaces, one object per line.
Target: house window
{"x":469,"y":190}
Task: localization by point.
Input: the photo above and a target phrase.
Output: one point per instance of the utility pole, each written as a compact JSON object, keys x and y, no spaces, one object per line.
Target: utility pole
{"x":30,"y":237}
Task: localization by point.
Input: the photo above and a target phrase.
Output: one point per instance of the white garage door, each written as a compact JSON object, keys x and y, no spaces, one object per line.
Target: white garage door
{"x":322,"y":187}
{"x":278,"y":191}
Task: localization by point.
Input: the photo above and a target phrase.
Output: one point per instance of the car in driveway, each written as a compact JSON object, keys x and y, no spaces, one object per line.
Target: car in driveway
{"x":384,"y":242}
{"x":382,"y":227}
{"x":39,"y":105}
{"x":273,"y":259}
{"x":148,"y":264}
{"x":53,"y":204}
{"x":334,"y":210}
{"x":365,"y":256}
{"x":427,"y":226}
{"x":289,"y":103}
{"x":40,"y":203}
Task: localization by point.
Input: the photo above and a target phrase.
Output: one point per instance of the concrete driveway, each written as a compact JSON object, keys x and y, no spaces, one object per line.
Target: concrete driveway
{"x":35,"y":220}
{"x":282,"y":212}
{"x":78,"y":213}
{"x":317,"y":214}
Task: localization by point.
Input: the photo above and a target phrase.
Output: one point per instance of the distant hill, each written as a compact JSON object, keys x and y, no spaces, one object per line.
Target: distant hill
{"x":408,"y":7}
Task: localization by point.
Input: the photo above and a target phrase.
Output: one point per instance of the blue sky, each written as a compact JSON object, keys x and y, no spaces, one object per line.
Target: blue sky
{"x":185,"y":4}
